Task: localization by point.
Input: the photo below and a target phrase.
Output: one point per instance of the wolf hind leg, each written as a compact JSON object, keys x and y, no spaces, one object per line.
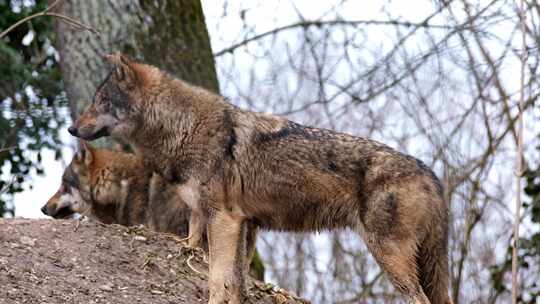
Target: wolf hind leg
{"x":252,"y":267}
{"x":397,"y":258}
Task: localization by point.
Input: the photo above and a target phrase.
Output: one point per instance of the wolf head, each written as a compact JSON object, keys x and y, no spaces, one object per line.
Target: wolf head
{"x":114,"y":108}
{"x":73,"y":196}
{"x":65,"y":203}
{"x":92,"y":184}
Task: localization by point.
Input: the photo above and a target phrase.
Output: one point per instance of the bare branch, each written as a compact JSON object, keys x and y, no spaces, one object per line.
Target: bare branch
{"x":47,"y":12}
{"x":319,"y":23}
{"x":519,"y":155}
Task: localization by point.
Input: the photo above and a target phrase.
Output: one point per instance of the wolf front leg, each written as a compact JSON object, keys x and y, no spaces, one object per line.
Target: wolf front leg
{"x":227,"y":248}
{"x":197,"y":224}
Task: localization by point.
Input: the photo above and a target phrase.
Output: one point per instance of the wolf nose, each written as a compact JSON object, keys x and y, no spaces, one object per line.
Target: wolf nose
{"x":72,"y":130}
{"x":44,"y":210}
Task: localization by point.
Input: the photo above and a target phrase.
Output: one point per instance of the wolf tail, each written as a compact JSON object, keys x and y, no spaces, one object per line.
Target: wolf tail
{"x":432,"y":264}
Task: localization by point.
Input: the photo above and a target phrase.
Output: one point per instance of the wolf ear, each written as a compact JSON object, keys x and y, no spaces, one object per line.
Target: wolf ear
{"x":85,"y":153}
{"x":123,"y":67}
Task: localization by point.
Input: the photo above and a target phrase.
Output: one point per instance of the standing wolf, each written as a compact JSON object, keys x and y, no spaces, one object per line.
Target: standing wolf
{"x":240,"y":169}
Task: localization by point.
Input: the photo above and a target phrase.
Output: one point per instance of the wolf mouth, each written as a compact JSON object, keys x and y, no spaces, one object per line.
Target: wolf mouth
{"x":101,"y":133}
{"x":64,"y":213}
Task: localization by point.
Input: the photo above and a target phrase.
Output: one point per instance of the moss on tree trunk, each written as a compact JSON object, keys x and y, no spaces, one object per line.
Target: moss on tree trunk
{"x":177,"y":41}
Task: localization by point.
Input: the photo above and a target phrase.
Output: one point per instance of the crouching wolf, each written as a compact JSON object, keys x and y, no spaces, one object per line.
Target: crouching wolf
{"x":240,"y":169}
{"x":114,"y":187}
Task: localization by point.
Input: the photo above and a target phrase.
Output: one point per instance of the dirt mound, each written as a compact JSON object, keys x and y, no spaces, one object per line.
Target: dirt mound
{"x":54,"y":261}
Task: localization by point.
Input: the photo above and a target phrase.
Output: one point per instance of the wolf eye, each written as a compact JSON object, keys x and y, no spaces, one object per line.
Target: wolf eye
{"x":105,"y":103}
{"x":64,"y":188}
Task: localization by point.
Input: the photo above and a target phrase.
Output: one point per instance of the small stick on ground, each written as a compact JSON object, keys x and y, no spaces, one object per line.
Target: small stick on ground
{"x":188,"y":262}
{"x":77,"y":224}
{"x":185,"y":239}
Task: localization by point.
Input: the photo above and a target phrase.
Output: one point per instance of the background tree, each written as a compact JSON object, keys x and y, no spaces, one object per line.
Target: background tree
{"x":32,"y":106}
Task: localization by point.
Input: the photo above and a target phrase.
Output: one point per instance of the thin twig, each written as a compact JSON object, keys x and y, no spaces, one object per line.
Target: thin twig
{"x":6,"y":186}
{"x":55,"y":3}
{"x":307,"y":23}
{"x":74,"y":22}
{"x":77,"y":224}
{"x":47,"y":12}
{"x":188,"y":262}
{"x":29,"y":18}
{"x":185,"y":239}
{"x":519,"y":156}
{"x":7,"y":149}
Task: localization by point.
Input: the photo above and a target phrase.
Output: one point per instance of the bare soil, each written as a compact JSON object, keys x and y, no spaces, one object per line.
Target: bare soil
{"x":68,"y":261}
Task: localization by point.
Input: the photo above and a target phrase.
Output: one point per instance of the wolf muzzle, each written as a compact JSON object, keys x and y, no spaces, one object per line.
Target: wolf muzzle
{"x":44,"y":210}
{"x":73,"y":131}
{"x":62,"y":213}
{"x":86,"y":135}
